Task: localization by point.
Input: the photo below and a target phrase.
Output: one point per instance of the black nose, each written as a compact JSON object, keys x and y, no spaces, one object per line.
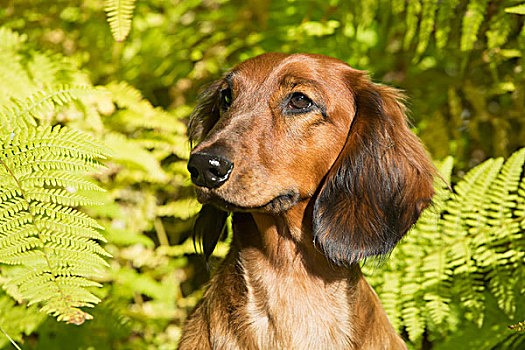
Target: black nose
{"x":208,"y":170}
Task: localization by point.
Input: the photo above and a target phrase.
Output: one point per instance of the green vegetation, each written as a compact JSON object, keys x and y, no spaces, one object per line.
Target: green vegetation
{"x":96,"y":94}
{"x":461,"y":267}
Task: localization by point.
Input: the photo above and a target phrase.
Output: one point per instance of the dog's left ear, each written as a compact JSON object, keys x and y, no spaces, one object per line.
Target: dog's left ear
{"x":205,"y":114}
{"x":379,"y":184}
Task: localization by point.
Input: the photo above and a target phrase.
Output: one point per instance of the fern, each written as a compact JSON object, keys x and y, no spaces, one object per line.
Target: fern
{"x":499,"y":30}
{"x":469,"y":246}
{"x":51,"y":244}
{"x":426,"y":26}
{"x":445,"y":13}
{"x":398,"y":6}
{"x":119,"y":14}
{"x":471,"y":23}
{"x":16,"y":321}
{"x":412,"y":18}
{"x":10,"y":40}
{"x":19,"y":113}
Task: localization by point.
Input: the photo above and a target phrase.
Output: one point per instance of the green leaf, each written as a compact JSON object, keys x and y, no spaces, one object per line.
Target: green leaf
{"x":519,"y":9}
{"x":119,"y":14}
{"x":54,"y":243}
{"x":426,"y":27}
{"x":471,"y":23}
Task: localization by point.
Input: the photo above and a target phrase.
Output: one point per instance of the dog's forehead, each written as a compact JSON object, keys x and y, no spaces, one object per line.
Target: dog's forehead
{"x":276,"y":66}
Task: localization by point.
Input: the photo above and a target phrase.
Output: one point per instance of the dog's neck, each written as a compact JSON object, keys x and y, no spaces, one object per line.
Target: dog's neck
{"x":288,"y":281}
{"x":286,"y":241}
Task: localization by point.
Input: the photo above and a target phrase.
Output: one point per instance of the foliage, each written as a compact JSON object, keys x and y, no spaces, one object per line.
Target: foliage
{"x":145,"y":179}
{"x":466,"y":249}
{"x":119,"y":17}
{"x":459,"y":61}
{"x":40,"y":229}
{"x":50,"y":244}
{"x":149,"y":204}
{"x":15,"y":319}
{"x":49,"y":248}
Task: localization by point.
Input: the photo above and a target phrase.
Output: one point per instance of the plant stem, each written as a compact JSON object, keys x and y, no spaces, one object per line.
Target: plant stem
{"x":11,"y":340}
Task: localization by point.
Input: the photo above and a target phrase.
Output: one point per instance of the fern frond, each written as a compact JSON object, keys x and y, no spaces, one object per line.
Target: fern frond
{"x":135,"y":156}
{"x":11,"y":237}
{"x":140,"y":112}
{"x":506,"y":257}
{"x":10,"y":208}
{"x":37,"y":151}
{"x":51,"y":162}
{"x":503,"y":192}
{"x":71,"y":223}
{"x":426,"y":27}
{"x":464,"y":217}
{"x":471,"y":23}
{"x":163,"y":145}
{"x":65,"y":288}
{"x":78,"y":244}
{"x":126,"y":96}
{"x":56,"y":140}
{"x":412,"y":19}
{"x":59,"y":178}
{"x":398,"y":6}
{"x":58,"y":196}
{"x":390,"y":297}
{"x":119,"y":14}
{"x":17,"y":320}
{"x":15,"y":220}
{"x":183,"y":208}
{"x":147,"y":117}
{"x":10,"y":40}
{"x":28,"y":258}
{"x":413,"y":318}
{"x":499,"y":30}
{"x":44,"y":212}
{"x":469,"y":245}
{"x":445,"y":12}
{"x":54,"y":243}
{"x":24,"y":112}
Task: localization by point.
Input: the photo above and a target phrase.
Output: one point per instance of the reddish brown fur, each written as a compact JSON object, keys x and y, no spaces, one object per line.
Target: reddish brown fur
{"x":312,"y":194}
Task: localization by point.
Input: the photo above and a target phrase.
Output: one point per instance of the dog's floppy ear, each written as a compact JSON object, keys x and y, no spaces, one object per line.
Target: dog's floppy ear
{"x":205,"y":114}
{"x":378,"y":185}
{"x":208,"y":228}
{"x":211,"y":221}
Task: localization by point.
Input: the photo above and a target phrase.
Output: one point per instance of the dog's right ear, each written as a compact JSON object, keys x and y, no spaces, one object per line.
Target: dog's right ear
{"x":208,"y":228}
{"x":378,"y":185}
{"x":205,"y":114}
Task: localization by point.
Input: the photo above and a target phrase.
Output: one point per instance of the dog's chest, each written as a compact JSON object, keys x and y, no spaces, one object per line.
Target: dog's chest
{"x":294,"y":311}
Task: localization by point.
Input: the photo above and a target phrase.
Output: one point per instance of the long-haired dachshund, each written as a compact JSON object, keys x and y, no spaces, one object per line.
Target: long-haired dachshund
{"x":320,"y":170}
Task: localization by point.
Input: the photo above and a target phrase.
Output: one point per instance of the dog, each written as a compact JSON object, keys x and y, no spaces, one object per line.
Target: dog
{"x":321,"y":171}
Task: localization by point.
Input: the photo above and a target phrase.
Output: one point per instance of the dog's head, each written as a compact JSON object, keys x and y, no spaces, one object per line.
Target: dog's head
{"x":279,"y":129}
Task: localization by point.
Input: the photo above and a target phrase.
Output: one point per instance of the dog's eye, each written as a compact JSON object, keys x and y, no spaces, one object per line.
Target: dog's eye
{"x":299,"y":102}
{"x":226,"y":97}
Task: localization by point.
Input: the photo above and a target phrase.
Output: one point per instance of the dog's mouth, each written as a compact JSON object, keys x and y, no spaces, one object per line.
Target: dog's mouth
{"x":276,"y":205}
